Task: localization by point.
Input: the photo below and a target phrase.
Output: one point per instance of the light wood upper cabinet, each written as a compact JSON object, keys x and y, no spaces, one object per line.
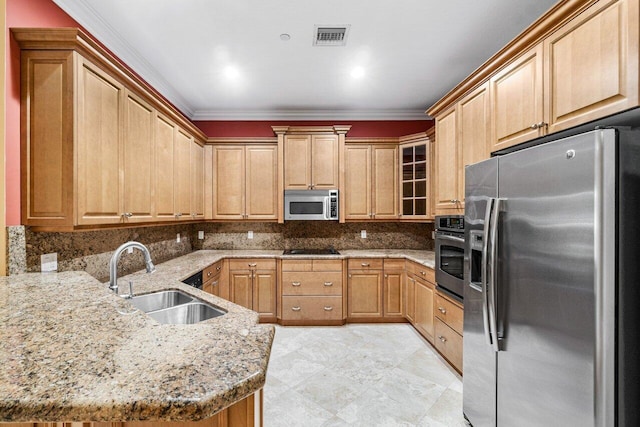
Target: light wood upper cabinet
{"x":311,"y":162}
{"x":139,"y":166}
{"x":416,"y":177}
{"x":245,"y":182}
{"x":371,"y":181}
{"x":447,"y":177}
{"x":100,"y":128}
{"x":517,"y":101}
{"x":99,"y":146}
{"x":591,"y":66}
{"x":197,"y":181}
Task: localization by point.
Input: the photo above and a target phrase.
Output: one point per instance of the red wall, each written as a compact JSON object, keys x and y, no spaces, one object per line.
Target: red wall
{"x":388,"y":128}
{"x":22,"y":13}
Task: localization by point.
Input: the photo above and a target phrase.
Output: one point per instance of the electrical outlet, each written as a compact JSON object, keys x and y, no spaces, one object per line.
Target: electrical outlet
{"x":433,"y":235}
{"x":249,"y":234}
{"x":363,"y":234}
{"x":201,"y":235}
{"x":49,"y":262}
{"x":130,"y":250}
{"x":178,"y":238}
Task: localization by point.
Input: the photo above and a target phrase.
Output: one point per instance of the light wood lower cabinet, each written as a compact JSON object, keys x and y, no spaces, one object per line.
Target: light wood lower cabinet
{"x":364,"y":287}
{"x":448,"y":329}
{"x":422,"y":280}
{"x":410,"y":298}
{"x":252,"y":284}
{"x":311,"y":292}
{"x":393,"y":298}
{"x":212,"y":278}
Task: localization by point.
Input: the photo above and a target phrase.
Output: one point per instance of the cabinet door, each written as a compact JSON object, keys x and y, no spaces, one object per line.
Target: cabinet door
{"x":424,"y":309}
{"x":241,"y":291}
{"x":139,"y":161}
{"x":416,"y":178}
{"x":324,"y":162}
{"x":364,"y":294}
{"x":264,"y":294}
{"x":447,"y":165}
{"x":392,"y":292}
{"x":589,"y":70}
{"x":197,"y":181}
{"x":100,"y":108}
{"x":261,"y":182}
{"x":165,"y":132}
{"x":357,"y":191}
{"x":182,"y":170}
{"x":297,"y":162}
{"x":410,"y":298}
{"x":228,"y":182}
{"x":516,"y":99}
{"x":384,"y":169}
{"x":473,"y":131}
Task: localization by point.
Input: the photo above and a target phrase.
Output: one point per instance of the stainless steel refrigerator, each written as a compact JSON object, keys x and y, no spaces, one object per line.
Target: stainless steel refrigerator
{"x":552,"y":284}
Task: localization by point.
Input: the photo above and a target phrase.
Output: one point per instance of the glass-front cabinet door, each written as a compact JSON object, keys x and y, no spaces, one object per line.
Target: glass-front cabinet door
{"x":415,"y":179}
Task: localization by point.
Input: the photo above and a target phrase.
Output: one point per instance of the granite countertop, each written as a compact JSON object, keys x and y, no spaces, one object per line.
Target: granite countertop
{"x":67,"y":353}
{"x":72,"y":350}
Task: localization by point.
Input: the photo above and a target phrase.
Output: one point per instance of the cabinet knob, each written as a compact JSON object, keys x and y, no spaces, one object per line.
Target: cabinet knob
{"x":442,"y":310}
{"x":296,"y":308}
{"x":328,"y":283}
{"x":295,"y":283}
{"x":218,"y":268}
{"x":328,"y":308}
{"x":209,"y":274}
{"x":441,"y":338}
{"x":424,"y":273}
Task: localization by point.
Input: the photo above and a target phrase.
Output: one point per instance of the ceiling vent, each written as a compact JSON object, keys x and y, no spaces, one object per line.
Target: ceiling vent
{"x":330,"y":35}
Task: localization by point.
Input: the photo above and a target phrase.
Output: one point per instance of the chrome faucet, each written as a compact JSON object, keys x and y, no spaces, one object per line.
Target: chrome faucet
{"x":113,"y":263}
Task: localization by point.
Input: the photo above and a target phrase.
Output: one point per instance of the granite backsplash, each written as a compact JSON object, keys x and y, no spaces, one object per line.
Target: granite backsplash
{"x":90,"y":251}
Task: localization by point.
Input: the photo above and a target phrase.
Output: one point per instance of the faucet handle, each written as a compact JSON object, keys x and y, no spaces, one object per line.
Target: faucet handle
{"x":130,"y":294}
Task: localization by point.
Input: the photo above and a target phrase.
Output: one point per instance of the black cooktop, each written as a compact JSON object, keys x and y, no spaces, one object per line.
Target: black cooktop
{"x":328,"y":251}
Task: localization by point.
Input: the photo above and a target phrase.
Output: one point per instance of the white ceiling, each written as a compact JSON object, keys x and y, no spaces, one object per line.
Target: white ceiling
{"x":224,"y":60}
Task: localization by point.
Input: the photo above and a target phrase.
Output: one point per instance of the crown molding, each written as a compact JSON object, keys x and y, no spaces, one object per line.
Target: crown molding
{"x":310,"y":115}
{"x":86,"y":16}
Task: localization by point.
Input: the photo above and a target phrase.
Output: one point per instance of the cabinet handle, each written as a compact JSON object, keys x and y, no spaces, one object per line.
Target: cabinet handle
{"x":539,"y":125}
{"x":295,"y":283}
{"x":214,"y":283}
{"x":178,"y":215}
{"x":365,"y":264}
{"x":386,"y":275}
{"x":296,"y":308}
{"x":252,"y":265}
{"x":218,"y":268}
{"x":328,"y":283}
{"x":209,"y":273}
{"x":424,"y":273}
{"x":349,"y":275}
{"x":328,"y":308}
{"x":441,"y":338}
{"x":456,"y":201}
{"x":442,"y":310}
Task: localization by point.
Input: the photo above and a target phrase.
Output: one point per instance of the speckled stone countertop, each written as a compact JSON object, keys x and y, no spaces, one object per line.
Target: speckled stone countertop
{"x":71,"y":350}
{"x":67,"y":353}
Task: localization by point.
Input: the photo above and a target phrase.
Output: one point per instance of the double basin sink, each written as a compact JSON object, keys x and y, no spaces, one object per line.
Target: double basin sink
{"x":175,"y":307}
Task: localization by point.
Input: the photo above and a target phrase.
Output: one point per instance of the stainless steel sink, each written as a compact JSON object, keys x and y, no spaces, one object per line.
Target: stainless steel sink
{"x":186,"y":314}
{"x":160,"y":300}
{"x":175,"y":307}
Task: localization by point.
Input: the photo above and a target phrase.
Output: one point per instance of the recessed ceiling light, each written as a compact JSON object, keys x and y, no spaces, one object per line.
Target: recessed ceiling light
{"x":357,"y":72}
{"x":231,"y":72}
{"x":285,"y":37}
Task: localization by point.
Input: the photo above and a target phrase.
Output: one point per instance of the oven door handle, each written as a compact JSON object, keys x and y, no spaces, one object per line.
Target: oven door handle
{"x":446,"y":237}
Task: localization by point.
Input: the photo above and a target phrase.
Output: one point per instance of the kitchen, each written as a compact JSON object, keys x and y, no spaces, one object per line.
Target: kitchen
{"x":468,"y":127}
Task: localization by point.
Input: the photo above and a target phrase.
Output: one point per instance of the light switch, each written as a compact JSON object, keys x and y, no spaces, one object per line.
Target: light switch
{"x":250,"y":235}
{"x":363,"y":234}
{"x":201,"y":235}
{"x":49,"y":262}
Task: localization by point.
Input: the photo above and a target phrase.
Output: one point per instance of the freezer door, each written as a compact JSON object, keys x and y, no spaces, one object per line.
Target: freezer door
{"x":547,"y":283}
{"x":479,"y":363}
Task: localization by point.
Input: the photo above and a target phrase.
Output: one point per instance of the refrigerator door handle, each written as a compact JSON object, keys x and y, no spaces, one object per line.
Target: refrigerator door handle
{"x":492,"y":282}
{"x":485,"y":261}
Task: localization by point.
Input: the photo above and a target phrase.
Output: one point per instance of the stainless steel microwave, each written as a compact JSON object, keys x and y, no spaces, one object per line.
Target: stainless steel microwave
{"x":311,"y":205}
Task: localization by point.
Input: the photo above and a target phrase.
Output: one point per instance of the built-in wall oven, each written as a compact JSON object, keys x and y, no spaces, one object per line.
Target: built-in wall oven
{"x":449,"y":245}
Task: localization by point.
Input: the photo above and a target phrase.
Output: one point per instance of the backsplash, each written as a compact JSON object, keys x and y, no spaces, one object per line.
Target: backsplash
{"x":315,"y":235}
{"x":91,"y":251}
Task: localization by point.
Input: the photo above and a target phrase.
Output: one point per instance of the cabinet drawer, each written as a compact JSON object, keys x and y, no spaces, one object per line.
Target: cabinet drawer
{"x":311,"y":308}
{"x":311,"y":283}
{"x":297,"y":265}
{"x":365,"y":263}
{"x":449,"y":313}
{"x":327,"y":265}
{"x":394,"y":264}
{"x":255,"y":264}
{"x":212,"y":270}
{"x":422,"y":272}
{"x":449,"y":343}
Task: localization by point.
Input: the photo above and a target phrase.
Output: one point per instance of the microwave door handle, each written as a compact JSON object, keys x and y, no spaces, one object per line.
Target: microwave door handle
{"x":485,"y":270}
{"x":493,"y":283}
{"x":327,"y":207}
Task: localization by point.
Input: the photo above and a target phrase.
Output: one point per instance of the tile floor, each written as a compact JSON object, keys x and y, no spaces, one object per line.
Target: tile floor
{"x":359,"y":375}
